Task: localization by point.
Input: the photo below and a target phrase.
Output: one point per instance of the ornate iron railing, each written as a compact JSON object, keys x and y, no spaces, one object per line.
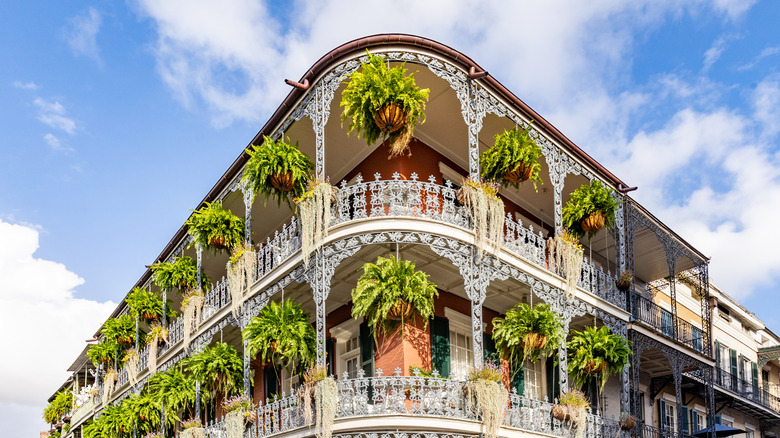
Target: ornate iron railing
{"x":654,"y":316}
{"x":747,"y":390}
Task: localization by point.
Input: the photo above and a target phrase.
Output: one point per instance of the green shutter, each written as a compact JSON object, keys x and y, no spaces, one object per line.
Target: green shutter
{"x":662,"y":414}
{"x":684,"y":420}
{"x":440,"y":345}
{"x":366,"y":350}
{"x":330,"y":358}
{"x":734,"y":370}
{"x":756,"y":393}
{"x":718,"y":419}
{"x":489,"y":353}
{"x":367,"y":356}
{"x":717,"y":363}
{"x":271,"y":383}
{"x":553,"y":379}
{"x":695,"y":421}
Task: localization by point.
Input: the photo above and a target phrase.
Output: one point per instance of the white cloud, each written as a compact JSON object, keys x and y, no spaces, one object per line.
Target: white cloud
{"x":81,"y":34}
{"x":40,"y":319}
{"x":766,"y":52}
{"x":54,"y":115}
{"x":52,"y":141}
{"x":713,"y":53}
{"x":766,"y":104}
{"x":25,"y":85}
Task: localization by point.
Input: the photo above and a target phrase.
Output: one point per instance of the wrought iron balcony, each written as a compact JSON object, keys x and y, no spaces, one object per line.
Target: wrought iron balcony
{"x":366,"y":397}
{"x":747,"y":390}
{"x":662,"y":321}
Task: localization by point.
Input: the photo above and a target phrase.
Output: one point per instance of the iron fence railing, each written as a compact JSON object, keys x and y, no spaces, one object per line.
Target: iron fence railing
{"x":651,"y":314}
{"x":746,"y":389}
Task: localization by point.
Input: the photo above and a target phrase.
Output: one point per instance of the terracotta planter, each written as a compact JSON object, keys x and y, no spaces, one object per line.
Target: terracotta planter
{"x":126,"y":340}
{"x":401,"y":310}
{"x":390,"y":118}
{"x":218,"y":242}
{"x":535,"y":341}
{"x":593,"y":222}
{"x":628,"y":423}
{"x":282,"y":181}
{"x":592,"y":368}
{"x":251,"y":416}
{"x":519,"y":174}
{"x":150,"y":316}
{"x":561,"y":412}
{"x":623,"y":284}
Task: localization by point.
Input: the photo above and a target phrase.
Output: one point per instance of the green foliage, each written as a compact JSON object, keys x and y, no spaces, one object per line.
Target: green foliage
{"x":587,"y":199}
{"x":510,"y":150}
{"x":212,"y":223}
{"x":58,"y":407}
{"x":102,"y":352}
{"x":143,"y":303}
{"x":110,"y":424}
{"x":574,"y":397}
{"x":142,"y":412}
{"x":590,"y":348}
{"x":174,"y":389}
{"x":283,"y":334}
{"x":277,"y":157}
{"x":511,"y":333}
{"x":182,"y":274}
{"x":384,"y":284}
{"x":375,"y":86}
{"x":219,"y":369}
{"x":121,"y":330}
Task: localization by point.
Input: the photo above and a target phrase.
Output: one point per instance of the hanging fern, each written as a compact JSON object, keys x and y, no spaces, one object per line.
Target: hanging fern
{"x":512,"y":150}
{"x":589,"y":198}
{"x":103,"y":352}
{"x":277,"y":158}
{"x":174,"y":390}
{"x":58,"y":407}
{"x":181,"y":274}
{"x":519,"y":333}
{"x":121,"y":330}
{"x":283,"y":334}
{"x":387,"y":284}
{"x":597,"y":352}
{"x":220,"y":369}
{"x":376,"y":85}
{"x":211,"y":226}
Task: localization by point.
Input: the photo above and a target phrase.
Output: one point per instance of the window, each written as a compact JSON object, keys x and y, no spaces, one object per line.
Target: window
{"x":351,"y":357}
{"x":347,"y":349}
{"x":749,"y":432}
{"x":697,"y":421}
{"x":696,"y":341}
{"x":291,"y":380}
{"x":669,"y":417}
{"x":667,"y":323}
{"x":533,"y":379}
{"x":461,"y":355}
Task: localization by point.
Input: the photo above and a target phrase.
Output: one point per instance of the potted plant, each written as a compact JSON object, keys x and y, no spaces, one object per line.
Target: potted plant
{"x":57,"y":409}
{"x":383,"y":102}
{"x":513,"y":159}
{"x":120,"y":329}
{"x":144,"y":304}
{"x":103,"y":352}
{"x":391,"y":291}
{"x":596,"y":353}
{"x":181,"y":274}
{"x":487,"y":212}
{"x":624,"y":280}
{"x":192,"y":428}
{"x":317,"y":385}
{"x":141,"y":413}
{"x":237,"y":410}
{"x":219,"y":369}
{"x":157,"y":335}
{"x":277,"y":169}
{"x":486,"y":397}
{"x":131,"y":362}
{"x":174,"y":390}
{"x":527,"y":332}
{"x":242,"y":272}
{"x":211,"y":226}
{"x":572,"y":406}
{"x":314,"y":213}
{"x":191,"y":307}
{"x":589,"y":209}
{"x":282,"y":334}
{"x":566,"y":258}
{"x":627,"y":422}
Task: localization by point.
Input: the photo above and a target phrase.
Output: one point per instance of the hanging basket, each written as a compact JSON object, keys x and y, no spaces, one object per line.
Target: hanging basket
{"x":592,"y":368}
{"x":535,"y":341}
{"x":628,"y":423}
{"x":561,"y":412}
{"x":520,"y":173}
{"x":126,"y":340}
{"x":390,"y":118}
{"x":401,"y":310}
{"x":218,"y":242}
{"x":623,"y":284}
{"x":593,"y":222}
{"x":282,"y":181}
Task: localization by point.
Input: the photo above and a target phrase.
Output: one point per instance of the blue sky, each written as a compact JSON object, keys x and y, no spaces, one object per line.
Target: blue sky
{"x":118,"y":117}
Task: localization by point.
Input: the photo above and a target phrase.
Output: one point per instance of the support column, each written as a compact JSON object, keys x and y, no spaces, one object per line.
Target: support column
{"x":248,"y":198}
{"x":199,"y":252}
{"x":625,"y":390}
{"x":247,"y":371}
{"x":320,"y":283}
{"x":563,"y":361}
{"x":165,"y":308}
{"x":636,"y":358}
{"x":671,"y":259}
{"x":197,"y":399}
{"x":677,"y":376}
{"x":709,"y":377}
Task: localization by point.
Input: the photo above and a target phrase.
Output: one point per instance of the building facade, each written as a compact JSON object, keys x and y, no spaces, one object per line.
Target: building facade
{"x":698,"y":358}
